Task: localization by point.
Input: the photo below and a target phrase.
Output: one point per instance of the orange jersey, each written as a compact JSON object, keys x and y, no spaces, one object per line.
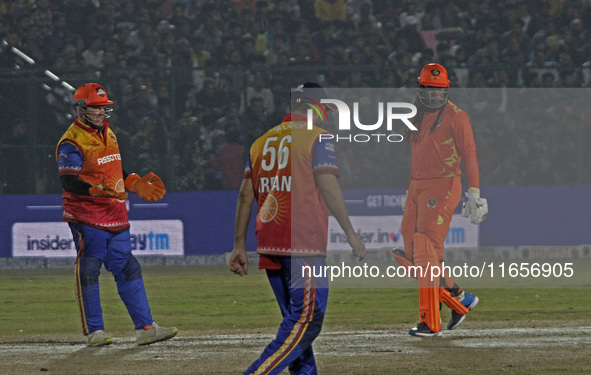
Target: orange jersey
{"x":438,"y":154}
{"x":90,"y":155}
{"x":292,"y":217}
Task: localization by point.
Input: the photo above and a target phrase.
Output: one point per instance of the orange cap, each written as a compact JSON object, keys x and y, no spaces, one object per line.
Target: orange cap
{"x":91,"y":94}
{"x":434,"y":75}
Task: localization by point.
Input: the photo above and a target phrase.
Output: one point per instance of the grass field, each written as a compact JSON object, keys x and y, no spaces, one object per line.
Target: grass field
{"x":214,"y":308}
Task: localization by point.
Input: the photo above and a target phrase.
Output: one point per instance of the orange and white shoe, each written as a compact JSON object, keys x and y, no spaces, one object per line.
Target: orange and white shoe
{"x":154,"y":333}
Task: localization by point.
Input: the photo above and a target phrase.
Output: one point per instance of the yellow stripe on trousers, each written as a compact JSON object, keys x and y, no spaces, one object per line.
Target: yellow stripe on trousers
{"x":79,"y":285}
{"x":296,"y":333}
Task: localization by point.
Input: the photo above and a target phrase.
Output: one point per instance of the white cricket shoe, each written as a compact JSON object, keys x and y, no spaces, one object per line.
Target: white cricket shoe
{"x":154,"y":334}
{"x":99,"y":338}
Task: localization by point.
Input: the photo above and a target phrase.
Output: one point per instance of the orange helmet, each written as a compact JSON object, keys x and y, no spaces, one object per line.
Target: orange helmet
{"x":91,"y":94}
{"x":434,"y":75}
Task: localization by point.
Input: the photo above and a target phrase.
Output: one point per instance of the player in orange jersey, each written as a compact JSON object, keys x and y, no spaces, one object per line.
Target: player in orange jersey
{"x":443,"y":139}
{"x":292,"y":174}
{"x":94,"y":183}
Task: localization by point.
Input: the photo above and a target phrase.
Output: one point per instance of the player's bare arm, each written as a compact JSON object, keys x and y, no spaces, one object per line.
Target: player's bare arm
{"x":333,"y":196}
{"x":238,"y":259}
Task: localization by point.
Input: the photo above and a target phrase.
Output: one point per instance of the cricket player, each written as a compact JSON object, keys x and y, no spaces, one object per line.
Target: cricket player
{"x":444,"y":138}
{"x":94,"y":197}
{"x":292,"y":175}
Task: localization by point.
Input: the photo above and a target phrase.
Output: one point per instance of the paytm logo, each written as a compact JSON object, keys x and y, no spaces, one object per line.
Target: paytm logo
{"x":455,"y":235}
{"x":150,"y":241}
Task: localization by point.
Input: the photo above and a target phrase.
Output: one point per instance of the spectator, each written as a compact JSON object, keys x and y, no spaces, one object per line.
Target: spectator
{"x":411,"y":16}
{"x":259,"y":89}
{"x":230,"y":121}
{"x":199,"y":53}
{"x":209,"y":101}
{"x":390,"y":38}
{"x":288,"y":9}
{"x":142,"y":38}
{"x":255,"y":119}
{"x":225,"y":93}
{"x":193,"y":154}
{"x":145,"y":146}
{"x":183,"y":68}
{"x":56,"y":37}
{"x":330,"y":10}
{"x":323,"y":38}
{"x":94,"y":55}
{"x":302,"y":51}
{"x":413,"y":42}
{"x":210,"y":33}
{"x":280,"y":45}
{"x":229,"y":160}
{"x":247,"y":49}
{"x":363,"y":19}
{"x":12,"y":179}
{"x":548,"y":80}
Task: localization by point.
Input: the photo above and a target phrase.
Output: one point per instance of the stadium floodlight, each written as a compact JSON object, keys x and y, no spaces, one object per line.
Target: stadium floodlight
{"x":51,"y":75}
{"x":22,"y":55}
{"x":68,"y":86}
{"x":48,"y":73}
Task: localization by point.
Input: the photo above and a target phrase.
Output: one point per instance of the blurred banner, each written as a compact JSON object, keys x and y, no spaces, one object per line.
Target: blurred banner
{"x":532,"y":220}
{"x":148,"y":237}
{"x":378,"y":232}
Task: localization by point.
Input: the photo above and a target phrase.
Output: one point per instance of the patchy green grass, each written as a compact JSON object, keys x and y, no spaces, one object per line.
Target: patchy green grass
{"x":210,"y":298}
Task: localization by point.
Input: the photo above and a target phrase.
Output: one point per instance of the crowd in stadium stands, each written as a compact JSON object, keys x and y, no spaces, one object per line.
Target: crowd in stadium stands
{"x":196,"y":81}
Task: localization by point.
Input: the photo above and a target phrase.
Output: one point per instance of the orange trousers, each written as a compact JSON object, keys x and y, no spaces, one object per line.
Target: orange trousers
{"x":430,"y":205}
{"x":429,"y":209}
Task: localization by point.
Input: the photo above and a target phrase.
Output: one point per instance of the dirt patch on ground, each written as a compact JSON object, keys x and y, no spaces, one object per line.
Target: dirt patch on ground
{"x":537,"y":347}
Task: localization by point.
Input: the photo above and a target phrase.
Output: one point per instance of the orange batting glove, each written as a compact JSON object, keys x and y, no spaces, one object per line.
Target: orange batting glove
{"x":150,"y":187}
{"x":101,"y":188}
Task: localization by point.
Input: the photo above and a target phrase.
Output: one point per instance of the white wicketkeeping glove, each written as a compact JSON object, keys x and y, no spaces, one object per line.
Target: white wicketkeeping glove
{"x":403,"y":201}
{"x":476,"y":208}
